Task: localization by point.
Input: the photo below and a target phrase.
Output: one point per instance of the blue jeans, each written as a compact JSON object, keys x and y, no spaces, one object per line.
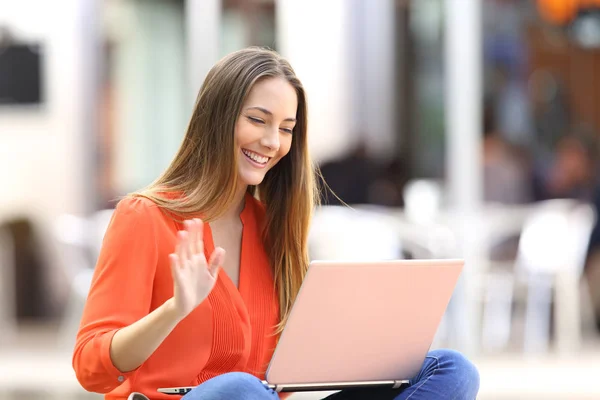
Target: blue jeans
{"x":446,"y":374}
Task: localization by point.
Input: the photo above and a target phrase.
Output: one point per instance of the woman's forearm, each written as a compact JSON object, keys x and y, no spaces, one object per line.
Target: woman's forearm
{"x":133,"y":345}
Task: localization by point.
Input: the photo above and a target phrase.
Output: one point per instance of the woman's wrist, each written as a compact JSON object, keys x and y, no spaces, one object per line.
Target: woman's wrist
{"x":171,"y":311}
{"x":131,"y":346}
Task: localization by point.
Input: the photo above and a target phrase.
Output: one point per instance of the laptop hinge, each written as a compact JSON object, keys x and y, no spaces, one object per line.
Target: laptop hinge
{"x":398,"y":384}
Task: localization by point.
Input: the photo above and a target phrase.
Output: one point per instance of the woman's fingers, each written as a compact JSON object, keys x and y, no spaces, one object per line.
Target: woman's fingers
{"x":190,"y":228}
{"x":191,"y":238}
{"x":182,"y":248}
{"x":216,"y":260}
{"x":174,"y":259}
{"x":190,"y":245}
{"x":195,"y":229}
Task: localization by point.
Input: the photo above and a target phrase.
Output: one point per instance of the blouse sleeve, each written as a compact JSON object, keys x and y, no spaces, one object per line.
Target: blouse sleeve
{"x":120,"y":293}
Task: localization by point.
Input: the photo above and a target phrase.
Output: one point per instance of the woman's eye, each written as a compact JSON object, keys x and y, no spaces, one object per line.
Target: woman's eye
{"x":256,"y":120}
{"x":287,"y":130}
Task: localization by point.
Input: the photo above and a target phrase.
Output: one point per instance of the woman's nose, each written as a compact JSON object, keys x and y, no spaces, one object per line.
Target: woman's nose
{"x":271,"y":139}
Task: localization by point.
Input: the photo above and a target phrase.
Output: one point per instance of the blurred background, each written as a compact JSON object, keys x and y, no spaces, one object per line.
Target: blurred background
{"x":454,"y":128}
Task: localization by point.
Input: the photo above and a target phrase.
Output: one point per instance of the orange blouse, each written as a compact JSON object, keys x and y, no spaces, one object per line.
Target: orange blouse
{"x":232,"y":330}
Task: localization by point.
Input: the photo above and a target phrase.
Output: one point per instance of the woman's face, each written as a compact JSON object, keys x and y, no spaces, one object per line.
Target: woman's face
{"x":263,"y":131}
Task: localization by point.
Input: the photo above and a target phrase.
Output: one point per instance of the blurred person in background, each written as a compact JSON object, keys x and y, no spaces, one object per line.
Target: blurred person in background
{"x":572,"y":172}
{"x":506,"y":174}
{"x":349,"y":177}
{"x":387,"y":189}
{"x":161,"y":314}
{"x":359,"y":179}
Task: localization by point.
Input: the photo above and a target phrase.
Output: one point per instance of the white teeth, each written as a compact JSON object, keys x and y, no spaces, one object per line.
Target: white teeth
{"x":256,"y":157}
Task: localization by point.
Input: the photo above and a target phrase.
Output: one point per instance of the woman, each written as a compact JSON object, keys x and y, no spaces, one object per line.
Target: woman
{"x":157,"y":317}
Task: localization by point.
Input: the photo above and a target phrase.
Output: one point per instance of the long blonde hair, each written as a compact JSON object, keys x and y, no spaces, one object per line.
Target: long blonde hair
{"x":205,"y":167}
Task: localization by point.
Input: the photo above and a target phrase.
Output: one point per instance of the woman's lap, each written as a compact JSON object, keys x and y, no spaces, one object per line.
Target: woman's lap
{"x":445,"y":374}
{"x":232,"y":386}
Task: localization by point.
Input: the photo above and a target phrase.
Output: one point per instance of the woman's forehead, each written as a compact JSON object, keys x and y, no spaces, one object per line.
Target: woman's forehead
{"x":275,"y":96}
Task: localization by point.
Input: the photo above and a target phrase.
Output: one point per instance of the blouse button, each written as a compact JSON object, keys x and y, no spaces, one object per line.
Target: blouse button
{"x":121,"y":378}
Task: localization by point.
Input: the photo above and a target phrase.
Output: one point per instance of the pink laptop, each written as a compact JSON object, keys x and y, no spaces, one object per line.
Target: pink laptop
{"x":360,"y":324}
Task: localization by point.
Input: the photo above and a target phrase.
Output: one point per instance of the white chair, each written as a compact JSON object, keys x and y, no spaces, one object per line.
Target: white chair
{"x":422,"y":218}
{"x":550,"y":259}
{"x":343,"y":233}
{"x":497,"y":280}
{"x":423,"y":200}
{"x":373,"y":232}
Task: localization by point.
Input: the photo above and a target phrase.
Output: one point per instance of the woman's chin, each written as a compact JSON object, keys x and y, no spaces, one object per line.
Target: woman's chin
{"x":251,"y":179}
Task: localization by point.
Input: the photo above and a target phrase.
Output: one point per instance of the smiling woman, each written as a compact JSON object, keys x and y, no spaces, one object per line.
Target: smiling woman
{"x":166,"y":307}
{"x":159,"y":313}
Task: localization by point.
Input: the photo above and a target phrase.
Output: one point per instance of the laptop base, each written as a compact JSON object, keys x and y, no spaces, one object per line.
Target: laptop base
{"x":327,"y":386}
{"x":307,"y":387}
